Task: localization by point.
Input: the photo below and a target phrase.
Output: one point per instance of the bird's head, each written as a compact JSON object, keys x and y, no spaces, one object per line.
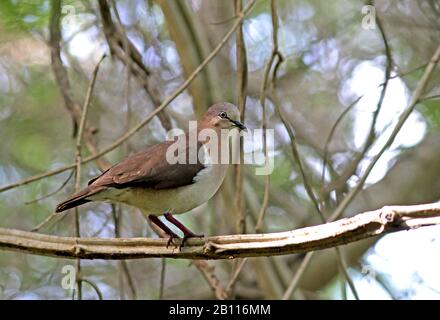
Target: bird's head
{"x":223,"y":115}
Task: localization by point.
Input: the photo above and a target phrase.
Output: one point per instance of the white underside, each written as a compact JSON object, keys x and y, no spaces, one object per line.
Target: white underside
{"x":175,"y":200}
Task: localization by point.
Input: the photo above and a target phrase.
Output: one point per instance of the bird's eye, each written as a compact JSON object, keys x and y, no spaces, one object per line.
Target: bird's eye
{"x":223,"y":115}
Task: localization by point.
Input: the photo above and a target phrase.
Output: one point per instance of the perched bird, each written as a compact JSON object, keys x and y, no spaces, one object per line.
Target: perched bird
{"x":147,"y":180}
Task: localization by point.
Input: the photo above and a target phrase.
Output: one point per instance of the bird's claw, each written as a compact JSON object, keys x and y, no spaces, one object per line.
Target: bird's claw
{"x":170,"y":240}
{"x":186,"y":236}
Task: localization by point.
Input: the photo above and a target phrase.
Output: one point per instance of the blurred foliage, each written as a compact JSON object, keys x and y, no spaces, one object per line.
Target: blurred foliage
{"x":431,"y":111}
{"x":24,"y":16}
{"x":326,"y":53}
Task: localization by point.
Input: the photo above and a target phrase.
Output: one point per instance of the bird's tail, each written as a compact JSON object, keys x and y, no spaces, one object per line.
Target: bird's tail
{"x":76,"y":200}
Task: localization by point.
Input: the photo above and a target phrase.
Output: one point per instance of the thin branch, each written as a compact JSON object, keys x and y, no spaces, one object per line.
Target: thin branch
{"x":146,"y":120}
{"x":364,"y":225}
{"x":122,"y":264}
{"x":163,"y":264}
{"x":234,"y":277}
{"x":295,"y":281}
{"x":79,"y":141}
{"x":297,"y":156}
{"x":372,"y":133}
{"x":242,"y":78}
{"x":328,"y":141}
{"x":121,"y":46}
{"x":344,"y":270}
{"x":297,"y":276}
{"x":50,"y":194}
{"x":404,"y":116}
{"x":433,"y":97}
{"x":402,"y":119}
{"x":82,"y":123}
{"x":264,"y":85}
{"x":62,"y":80}
{"x":94,"y":286}
{"x":208,"y":273}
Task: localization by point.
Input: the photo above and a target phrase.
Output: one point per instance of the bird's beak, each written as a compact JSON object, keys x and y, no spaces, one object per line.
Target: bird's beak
{"x":239,"y":125}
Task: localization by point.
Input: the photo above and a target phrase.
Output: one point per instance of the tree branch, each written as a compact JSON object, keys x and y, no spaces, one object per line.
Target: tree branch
{"x":365,"y":225}
{"x":124,"y":50}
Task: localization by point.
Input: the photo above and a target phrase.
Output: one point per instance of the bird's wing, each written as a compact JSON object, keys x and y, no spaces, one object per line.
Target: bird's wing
{"x":149,"y":169}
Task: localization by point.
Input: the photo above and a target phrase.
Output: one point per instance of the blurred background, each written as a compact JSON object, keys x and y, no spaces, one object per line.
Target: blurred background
{"x":339,"y":58}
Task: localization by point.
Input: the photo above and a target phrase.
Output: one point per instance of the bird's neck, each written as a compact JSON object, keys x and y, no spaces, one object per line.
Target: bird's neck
{"x":217,"y":142}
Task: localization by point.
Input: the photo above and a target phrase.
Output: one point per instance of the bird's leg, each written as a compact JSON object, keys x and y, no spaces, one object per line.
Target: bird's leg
{"x":186,"y":232}
{"x":154,"y":219}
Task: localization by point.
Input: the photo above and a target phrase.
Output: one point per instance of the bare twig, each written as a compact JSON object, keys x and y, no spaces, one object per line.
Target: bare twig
{"x":82,"y":123}
{"x":433,"y":97}
{"x":123,"y":266}
{"x":404,"y":116}
{"x":402,"y":119}
{"x":328,"y":141}
{"x":264,"y":85}
{"x":79,"y":142}
{"x":343,"y":267}
{"x":234,"y":277}
{"x":242,"y":76}
{"x":414,"y":100}
{"x":297,"y":276}
{"x":94,"y":286}
{"x":372,"y":133}
{"x":163,"y":264}
{"x":125,"y":51}
{"x":62,"y":80}
{"x":295,"y":281}
{"x":50,"y":194}
{"x":365,"y":225}
{"x":208,"y":273}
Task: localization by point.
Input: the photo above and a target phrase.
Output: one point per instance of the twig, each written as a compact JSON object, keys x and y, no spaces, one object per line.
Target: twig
{"x":264,"y":85}
{"x":62,"y":80}
{"x":437,"y":96}
{"x":94,"y":286}
{"x":372,"y":134}
{"x":146,"y":120}
{"x":50,"y":194}
{"x":163,"y":263}
{"x":82,"y":123}
{"x":350,"y":196}
{"x":295,"y":281}
{"x":402,"y":119}
{"x":241,"y":60}
{"x":297,"y":276}
{"x":234,"y":277}
{"x":122,"y":264}
{"x":48,"y":219}
{"x":328,"y":141}
{"x":208,"y":273}
{"x":79,"y":141}
{"x":296,"y":156}
{"x":364,"y":225}
{"x":121,"y":46}
{"x":343,"y":267}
